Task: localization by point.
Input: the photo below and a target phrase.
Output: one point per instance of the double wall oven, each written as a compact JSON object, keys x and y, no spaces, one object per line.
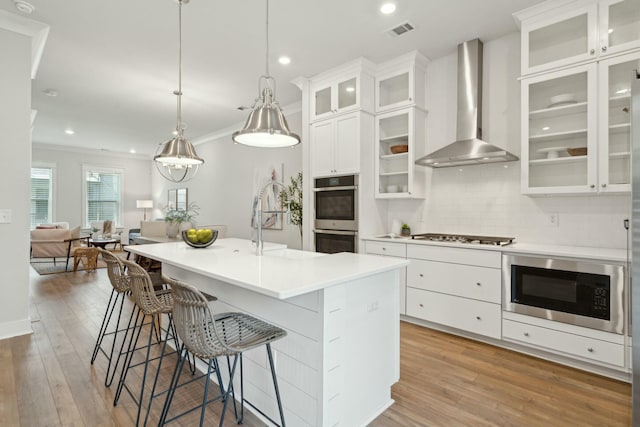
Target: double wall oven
{"x":582,"y":293}
{"x":336,"y":214}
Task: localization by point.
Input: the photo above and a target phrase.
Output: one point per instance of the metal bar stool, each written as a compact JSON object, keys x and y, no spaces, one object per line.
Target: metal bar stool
{"x":209,"y":337}
{"x":149,"y":302}
{"x":120,"y":284}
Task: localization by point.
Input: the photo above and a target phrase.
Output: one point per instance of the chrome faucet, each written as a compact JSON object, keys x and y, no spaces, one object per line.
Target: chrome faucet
{"x":259,"y":212}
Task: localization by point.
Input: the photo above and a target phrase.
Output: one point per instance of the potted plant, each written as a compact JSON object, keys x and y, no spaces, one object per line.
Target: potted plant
{"x":405,"y":230}
{"x":180,"y":218}
{"x":292,"y":196}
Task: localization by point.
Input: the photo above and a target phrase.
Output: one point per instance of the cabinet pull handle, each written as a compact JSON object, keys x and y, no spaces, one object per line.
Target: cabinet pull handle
{"x":592,"y":51}
{"x":604,"y":185}
{"x":590,"y":350}
{"x":421,"y":305}
{"x":526,"y":334}
{"x":592,"y":186}
{"x":478,"y":318}
{"x":604,"y":48}
{"x":410,"y":99}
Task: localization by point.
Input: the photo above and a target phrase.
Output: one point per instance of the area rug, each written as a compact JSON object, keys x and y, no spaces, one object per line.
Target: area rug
{"x":45,"y":265}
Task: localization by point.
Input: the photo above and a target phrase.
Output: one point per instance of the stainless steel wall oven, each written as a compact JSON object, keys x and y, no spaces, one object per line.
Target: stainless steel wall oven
{"x":336,"y":214}
{"x":582,"y":293}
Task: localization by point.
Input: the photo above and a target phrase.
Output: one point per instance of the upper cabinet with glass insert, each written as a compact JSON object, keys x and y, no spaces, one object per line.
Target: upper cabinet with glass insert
{"x":342,"y":90}
{"x":568,"y":32}
{"x":401,"y":83}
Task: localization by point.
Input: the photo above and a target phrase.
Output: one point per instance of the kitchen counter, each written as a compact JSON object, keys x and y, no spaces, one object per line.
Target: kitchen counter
{"x":234,"y":261}
{"x":341,"y":354}
{"x":581,"y":252}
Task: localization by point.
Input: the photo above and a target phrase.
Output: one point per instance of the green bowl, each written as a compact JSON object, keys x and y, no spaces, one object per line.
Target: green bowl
{"x":214,"y":236}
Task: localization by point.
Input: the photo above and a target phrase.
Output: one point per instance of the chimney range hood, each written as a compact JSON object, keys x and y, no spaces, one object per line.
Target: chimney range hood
{"x":469,"y":148}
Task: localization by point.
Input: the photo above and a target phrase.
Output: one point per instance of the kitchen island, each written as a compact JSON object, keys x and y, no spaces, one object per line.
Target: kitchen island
{"x":341,"y":354}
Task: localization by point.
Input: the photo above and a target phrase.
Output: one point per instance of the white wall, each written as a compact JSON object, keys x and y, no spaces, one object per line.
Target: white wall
{"x":15,"y":111}
{"x":68,"y":180}
{"x":223,"y":187}
{"x":486,"y":199}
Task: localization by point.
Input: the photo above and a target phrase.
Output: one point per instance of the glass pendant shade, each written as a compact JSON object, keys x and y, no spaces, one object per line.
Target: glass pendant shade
{"x":266,"y":126}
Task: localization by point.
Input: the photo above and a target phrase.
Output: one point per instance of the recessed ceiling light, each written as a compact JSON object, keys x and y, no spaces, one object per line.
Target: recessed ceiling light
{"x":69,"y":131}
{"x":50,"y":92}
{"x":546,"y":128}
{"x":284,"y":60}
{"x":132,"y":151}
{"x":350,"y":89}
{"x":23,"y":6}
{"x":388,"y":8}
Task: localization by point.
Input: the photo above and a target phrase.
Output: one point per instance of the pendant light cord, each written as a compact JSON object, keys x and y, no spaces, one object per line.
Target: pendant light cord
{"x":266,"y":60}
{"x":179,"y":92}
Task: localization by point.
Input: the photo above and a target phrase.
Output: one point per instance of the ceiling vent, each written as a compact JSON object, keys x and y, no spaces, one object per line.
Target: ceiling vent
{"x":401,"y":29}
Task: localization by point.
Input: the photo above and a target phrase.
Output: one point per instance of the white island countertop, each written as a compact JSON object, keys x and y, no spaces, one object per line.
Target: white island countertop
{"x":280,"y":273}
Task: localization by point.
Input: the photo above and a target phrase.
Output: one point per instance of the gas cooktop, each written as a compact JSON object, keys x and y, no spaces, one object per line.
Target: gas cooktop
{"x":461,"y":238}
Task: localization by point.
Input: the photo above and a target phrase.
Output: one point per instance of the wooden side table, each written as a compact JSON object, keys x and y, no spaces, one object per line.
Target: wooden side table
{"x":88,"y":257}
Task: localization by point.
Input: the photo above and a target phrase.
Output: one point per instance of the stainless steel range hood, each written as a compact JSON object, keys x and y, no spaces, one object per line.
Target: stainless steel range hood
{"x":469,"y":148}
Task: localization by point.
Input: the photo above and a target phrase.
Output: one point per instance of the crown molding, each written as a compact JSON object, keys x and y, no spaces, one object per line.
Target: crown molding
{"x":38,"y":32}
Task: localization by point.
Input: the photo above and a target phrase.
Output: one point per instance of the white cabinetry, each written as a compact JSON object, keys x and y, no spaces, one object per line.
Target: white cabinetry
{"x":398,"y":250}
{"x":341,"y":90}
{"x":459,"y":288}
{"x":396,"y":175}
{"x":335,"y":145}
{"x":573,"y":31}
{"x":568,"y":340}
{"x":583,"y":107}
{"x":401,"y":83}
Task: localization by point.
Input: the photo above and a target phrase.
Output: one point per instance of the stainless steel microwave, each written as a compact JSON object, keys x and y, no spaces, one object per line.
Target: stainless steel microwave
{"x":582,"y":293}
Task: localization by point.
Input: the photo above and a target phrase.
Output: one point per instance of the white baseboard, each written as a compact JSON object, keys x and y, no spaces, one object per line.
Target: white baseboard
{"x":15,"y":328}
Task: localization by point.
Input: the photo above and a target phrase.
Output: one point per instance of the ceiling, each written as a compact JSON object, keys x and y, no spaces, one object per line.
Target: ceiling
{"x":114,"y":63}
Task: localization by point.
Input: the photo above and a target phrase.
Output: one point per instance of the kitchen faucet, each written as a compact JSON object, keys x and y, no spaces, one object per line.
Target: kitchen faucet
{"x":259,"y":212}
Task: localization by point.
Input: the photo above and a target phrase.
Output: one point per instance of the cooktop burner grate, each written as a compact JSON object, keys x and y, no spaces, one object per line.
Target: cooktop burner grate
{"x":461,"y":238}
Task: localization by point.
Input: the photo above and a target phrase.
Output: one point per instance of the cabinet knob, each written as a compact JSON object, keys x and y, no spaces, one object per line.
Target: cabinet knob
{"x":604,"y":48}
{"x":421,"y":305}
{"x":421,"y":275}
{"x":592,"y":51}
{"x":478,"y":284}
{"x":590,"y":350}
{"x":478,"y":318}
{"x":384,"y":249}
{"x":604,"y":185}
{"x":410,"y":99}
{"x":526,"y":334}
{"x":592,"y":186}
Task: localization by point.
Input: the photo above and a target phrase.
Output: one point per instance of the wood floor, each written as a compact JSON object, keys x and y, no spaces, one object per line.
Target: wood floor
{"x":46,"y":378}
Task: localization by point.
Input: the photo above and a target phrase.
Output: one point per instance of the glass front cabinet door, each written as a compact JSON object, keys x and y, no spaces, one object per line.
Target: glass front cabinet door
{"x":619,"y":27}
{"x":559,"y":127}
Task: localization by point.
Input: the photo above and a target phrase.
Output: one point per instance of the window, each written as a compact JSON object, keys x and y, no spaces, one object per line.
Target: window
{"x":41,"y":195}
{"x":102,"y":195}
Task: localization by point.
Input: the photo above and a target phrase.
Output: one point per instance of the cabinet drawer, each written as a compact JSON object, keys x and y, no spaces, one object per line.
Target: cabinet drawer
{"x":467,"y":281}
{"x":479,"y":257}
{"x":387,"y":248}
{"x":479,"y":317}
{"x":557,"y":341}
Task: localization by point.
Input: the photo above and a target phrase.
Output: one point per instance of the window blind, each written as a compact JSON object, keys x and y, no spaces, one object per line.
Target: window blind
{"x":41,"y":196}
{"x":103,"y":196}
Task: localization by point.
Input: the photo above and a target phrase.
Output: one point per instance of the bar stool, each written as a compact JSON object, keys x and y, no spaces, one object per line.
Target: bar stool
{"x":149,"y":302}
{"x":120,"y":287}
{"x":209,"y":337}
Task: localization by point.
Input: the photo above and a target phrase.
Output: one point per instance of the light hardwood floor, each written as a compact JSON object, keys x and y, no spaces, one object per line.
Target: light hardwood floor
{"x":46,"y":378}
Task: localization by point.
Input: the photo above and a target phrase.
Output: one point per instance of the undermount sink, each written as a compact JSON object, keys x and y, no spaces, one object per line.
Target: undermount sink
{"x":292,"y":254}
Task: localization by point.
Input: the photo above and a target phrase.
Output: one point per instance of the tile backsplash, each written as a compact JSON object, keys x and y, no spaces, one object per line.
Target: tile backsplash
{"x":486,"y":200}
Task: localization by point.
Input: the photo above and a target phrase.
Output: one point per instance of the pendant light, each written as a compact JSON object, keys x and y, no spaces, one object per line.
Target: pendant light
{"x":266,"y":125}
{"x":176,"y":159}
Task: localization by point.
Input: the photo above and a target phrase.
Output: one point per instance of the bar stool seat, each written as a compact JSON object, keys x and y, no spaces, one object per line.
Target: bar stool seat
{"x":152,"y":303}
{"x":120,"y":287}
{"x":209,"y":337}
